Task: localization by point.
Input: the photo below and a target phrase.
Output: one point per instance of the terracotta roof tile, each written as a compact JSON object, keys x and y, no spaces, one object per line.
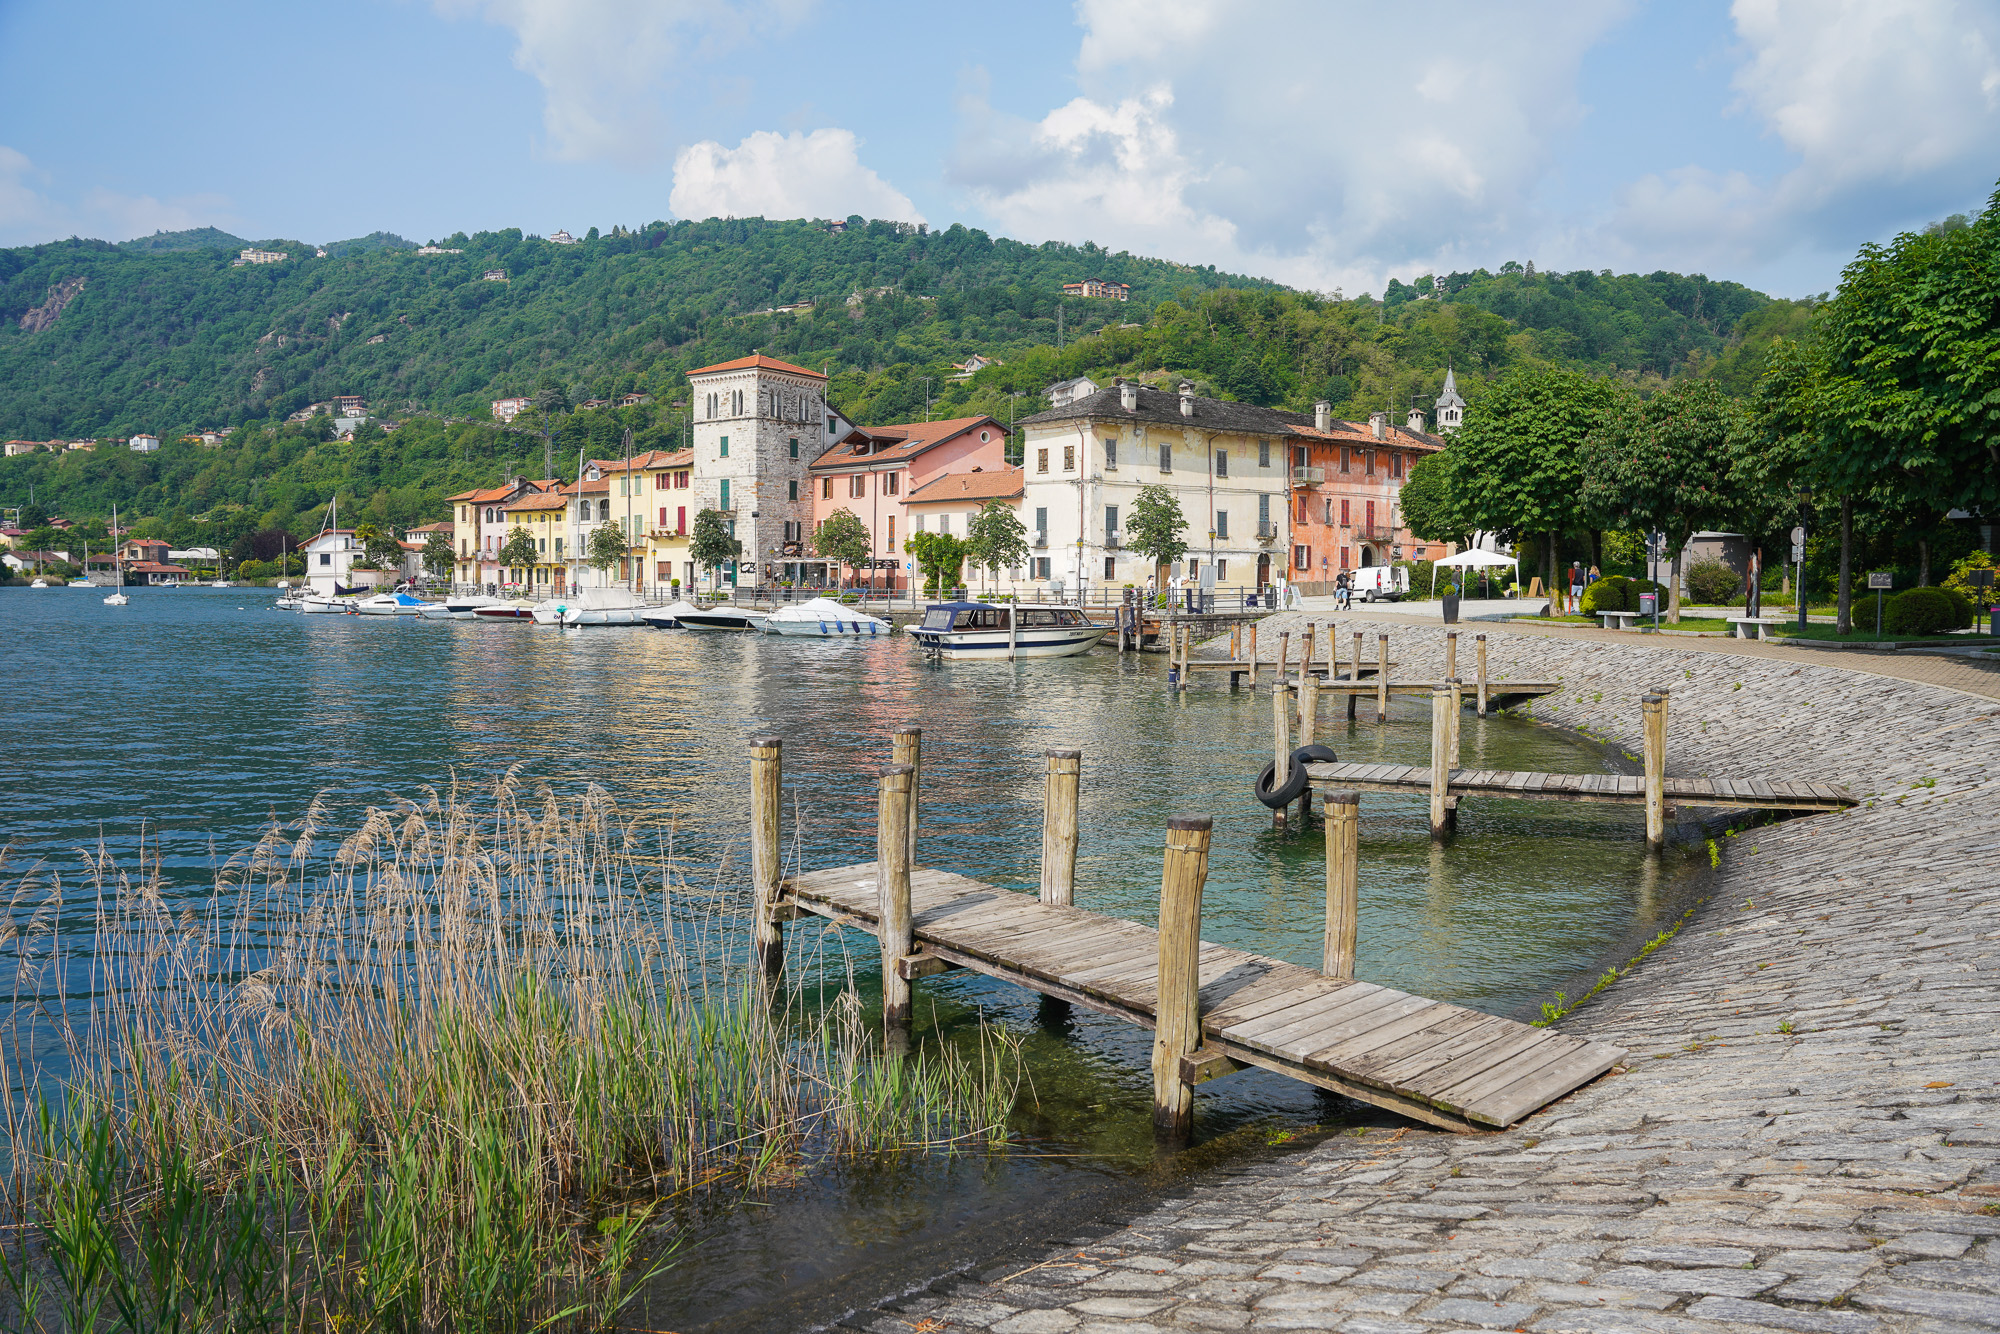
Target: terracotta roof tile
{"x":999,"y":484}
{"x":904,"y":440}
{"x":758,"y":361}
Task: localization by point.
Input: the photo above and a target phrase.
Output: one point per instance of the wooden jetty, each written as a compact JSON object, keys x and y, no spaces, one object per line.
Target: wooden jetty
{"x":1360,"y":677}
{"x":1213,"y":1010}
{"x":1759,"y":794}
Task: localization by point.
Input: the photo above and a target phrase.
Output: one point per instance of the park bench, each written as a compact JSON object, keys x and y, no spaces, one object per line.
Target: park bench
{"x":1618,"y":620}
{"x":1742,"y":624}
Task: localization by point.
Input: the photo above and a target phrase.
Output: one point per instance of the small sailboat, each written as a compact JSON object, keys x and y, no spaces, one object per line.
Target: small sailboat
{"x":84,"y":582}
{"x":117,"y":599}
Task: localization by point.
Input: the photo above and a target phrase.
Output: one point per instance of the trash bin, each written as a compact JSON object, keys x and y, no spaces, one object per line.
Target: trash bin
{"x":1451,"y":609}
{"x":1649,"y":604}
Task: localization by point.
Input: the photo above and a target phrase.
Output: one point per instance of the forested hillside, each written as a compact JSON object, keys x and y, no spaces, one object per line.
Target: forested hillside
{"x":165,"y":335}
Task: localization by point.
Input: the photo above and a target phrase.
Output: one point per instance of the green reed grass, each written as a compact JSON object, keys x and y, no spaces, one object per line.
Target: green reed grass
{"x":467,"y":1068}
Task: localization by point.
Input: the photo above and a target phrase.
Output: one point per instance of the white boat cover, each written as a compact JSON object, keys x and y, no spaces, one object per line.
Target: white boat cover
{"x":828,"y":611}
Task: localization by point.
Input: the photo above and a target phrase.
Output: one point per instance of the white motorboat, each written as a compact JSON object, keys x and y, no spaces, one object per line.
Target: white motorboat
{"x":319,"y":604}
{"x":41,"y":583}
{"x":592,"y":606}
{"x":669,"y":617}
{"x":505,"y":609}
{"x":723,"y":616}
{"x":983,"y":630}
{"x":824,"y":618}
{"x":392,"y":604}
{"x":461,"y":606}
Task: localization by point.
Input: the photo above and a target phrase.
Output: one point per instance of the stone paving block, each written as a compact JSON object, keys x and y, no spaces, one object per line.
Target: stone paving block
{"x":1950,"y":1273}
{"x":1931,"y":1245}
{"x":1228,"y":1291}
{"x":1307,"y":1273}
{"x":1686,"y":1257}
{"x":1622,"y":1321}
{"x":1120,"y":1306}
{"x":1037,"y":1322}
{"x":1481,"y":1315}
{"x":1602,"y":1294}
{"x":1974,"y":1308}
{"x":1415,"y":1280}
{"x":1721,"y":1282}
{"x":1742,"y":1312}
{"x":1211,"y":1317}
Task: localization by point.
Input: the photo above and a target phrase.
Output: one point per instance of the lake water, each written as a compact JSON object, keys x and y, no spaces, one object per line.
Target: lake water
{"x":192,"y":716}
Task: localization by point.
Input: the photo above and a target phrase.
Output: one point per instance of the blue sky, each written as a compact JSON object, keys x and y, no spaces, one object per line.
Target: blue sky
{"x":1323,"y":143}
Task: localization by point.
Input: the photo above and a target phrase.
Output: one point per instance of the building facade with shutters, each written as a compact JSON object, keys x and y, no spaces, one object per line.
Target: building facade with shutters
{"x":872,"y":471}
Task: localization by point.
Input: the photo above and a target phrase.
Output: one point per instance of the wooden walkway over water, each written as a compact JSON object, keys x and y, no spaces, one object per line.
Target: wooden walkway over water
{"x":1429,"y":1060}
{"x":1753,"y":793}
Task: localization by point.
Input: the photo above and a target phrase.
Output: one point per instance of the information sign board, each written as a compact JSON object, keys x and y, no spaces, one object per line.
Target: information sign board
{"x":1880,"y":580}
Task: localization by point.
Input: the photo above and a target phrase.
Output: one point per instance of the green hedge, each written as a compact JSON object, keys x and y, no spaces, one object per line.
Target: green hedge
{"x":1926,"y":611}
{"x":1712,"y":584}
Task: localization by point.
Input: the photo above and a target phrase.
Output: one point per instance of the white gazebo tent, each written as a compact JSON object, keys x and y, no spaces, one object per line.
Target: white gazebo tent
{"x":1469,"y":560}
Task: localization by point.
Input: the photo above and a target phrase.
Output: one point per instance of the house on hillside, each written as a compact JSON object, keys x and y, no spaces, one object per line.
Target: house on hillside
{"x":1098,"y":289}
{"x":506,"y":409}
{"x":16,"y":448}
{"x":143,"y":444}
{"x":971,"y":366}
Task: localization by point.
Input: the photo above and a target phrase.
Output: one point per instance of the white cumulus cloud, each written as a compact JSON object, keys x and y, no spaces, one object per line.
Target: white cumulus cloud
{"x":1319,"y":142}
{"x":34,"y":209}
{"x":772,"y":175}
{"x":603,"y":64}
{"x":1884,"y":104}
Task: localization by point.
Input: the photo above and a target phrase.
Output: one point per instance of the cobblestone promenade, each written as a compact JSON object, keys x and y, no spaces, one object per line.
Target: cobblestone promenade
{"x":1806,"y":1137}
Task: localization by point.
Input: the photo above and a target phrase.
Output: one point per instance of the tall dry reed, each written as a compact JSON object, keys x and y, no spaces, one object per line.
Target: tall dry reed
{"x":463,"y":1069}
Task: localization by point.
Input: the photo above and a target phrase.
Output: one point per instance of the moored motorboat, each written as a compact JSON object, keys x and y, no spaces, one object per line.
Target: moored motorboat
{"x":669,"y":616}
{"x":505,"y":609}
{"x":984,"y":630}
{"x":460,"y":607}
{"x":723,"y":616}
{"x":824,"y":618}
{"x":592,"y":606}
{"x":391,"y":604}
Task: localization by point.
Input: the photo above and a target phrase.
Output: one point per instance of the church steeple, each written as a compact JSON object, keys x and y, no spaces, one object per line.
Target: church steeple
{"x":1450,"y":407}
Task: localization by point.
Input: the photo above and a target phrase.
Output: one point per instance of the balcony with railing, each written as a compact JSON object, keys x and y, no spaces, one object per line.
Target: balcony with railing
{"x":1113,"y":539}
{"x":1302,"y":476}
{"x":1267,"y":531}
{"x":1039,"y":539}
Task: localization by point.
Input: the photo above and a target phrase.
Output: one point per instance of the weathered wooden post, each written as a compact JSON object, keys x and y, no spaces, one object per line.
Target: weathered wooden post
{"x":1253,"y":655}
{"x":1059,"y":827}
{"x":1450,"y":654}
{"x":1343,"y":878}
{"x":1480,"y":645}
{"x":1457,"y":710}
{"x":1382,"y":678}
{"x":1440,"y":755}
{"x":908,"y":748}
{"x":1306,"y":654}
{"x":1177,"y":1012}
{"x":1354,"y":696}
{"x":1236,"y":641}
{"x":892,"y":888}
{"x":1308,"y":734}
{"x":1284,"y":655}
{"x":1281,"y":744}
{"x":767,"y":940}
{"x":1654,"y":726}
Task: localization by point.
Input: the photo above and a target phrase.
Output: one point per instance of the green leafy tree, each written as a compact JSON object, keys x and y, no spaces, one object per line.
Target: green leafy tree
{"x":1517,"y":462}
{"x":33,"y":516}
{"x":1663,"y":465}
{"x":1155,"y":524}
{"x":939,"y":556}
{"x":607,"y":546}
{"x":996,"y":539}
{"x":1428,"y":502}
{"x":438,"y":556}
{"x":842,"y":539}
{"x":709,"y":543}
{"x":518,"y":551}
{"x":379,"y":548}
{"x":43,"y":537}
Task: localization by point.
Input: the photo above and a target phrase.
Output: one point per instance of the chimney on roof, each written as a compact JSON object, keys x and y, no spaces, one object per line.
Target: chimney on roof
{"x":1378,"y":425}
{"x":1128,"y":395}
{"x":1416,"y":420}
{"x":1323,"y":415}
{"x":1187,"y":398}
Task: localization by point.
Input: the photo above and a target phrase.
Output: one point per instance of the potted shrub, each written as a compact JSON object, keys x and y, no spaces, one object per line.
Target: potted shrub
{"x":1451,"y":604}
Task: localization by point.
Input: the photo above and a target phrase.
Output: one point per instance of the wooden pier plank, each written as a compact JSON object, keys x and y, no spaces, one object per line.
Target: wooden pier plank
{"x":1625,"y":788}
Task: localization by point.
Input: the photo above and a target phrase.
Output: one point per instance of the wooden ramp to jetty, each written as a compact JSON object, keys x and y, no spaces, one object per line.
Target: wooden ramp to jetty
{"x":1755,"y":793}
{"x":1439,"y":1063}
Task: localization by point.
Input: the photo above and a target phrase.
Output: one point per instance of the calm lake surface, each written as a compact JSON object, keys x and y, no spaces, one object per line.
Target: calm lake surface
{"x":193,"y":716}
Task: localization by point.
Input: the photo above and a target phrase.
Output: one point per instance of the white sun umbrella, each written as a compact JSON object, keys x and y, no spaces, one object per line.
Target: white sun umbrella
{"x":1473,"y":559}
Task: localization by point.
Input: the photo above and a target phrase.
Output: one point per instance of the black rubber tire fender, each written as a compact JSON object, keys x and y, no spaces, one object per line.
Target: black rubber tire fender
{"x":1315,"y":755}
{"x":1294,"y":788}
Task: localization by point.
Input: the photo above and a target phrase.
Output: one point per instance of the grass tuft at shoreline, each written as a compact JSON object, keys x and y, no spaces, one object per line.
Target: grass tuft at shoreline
{"x":466,"y":1068}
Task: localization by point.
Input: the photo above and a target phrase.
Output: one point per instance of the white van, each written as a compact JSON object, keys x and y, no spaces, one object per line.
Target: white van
{"x":1379,"y":583}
